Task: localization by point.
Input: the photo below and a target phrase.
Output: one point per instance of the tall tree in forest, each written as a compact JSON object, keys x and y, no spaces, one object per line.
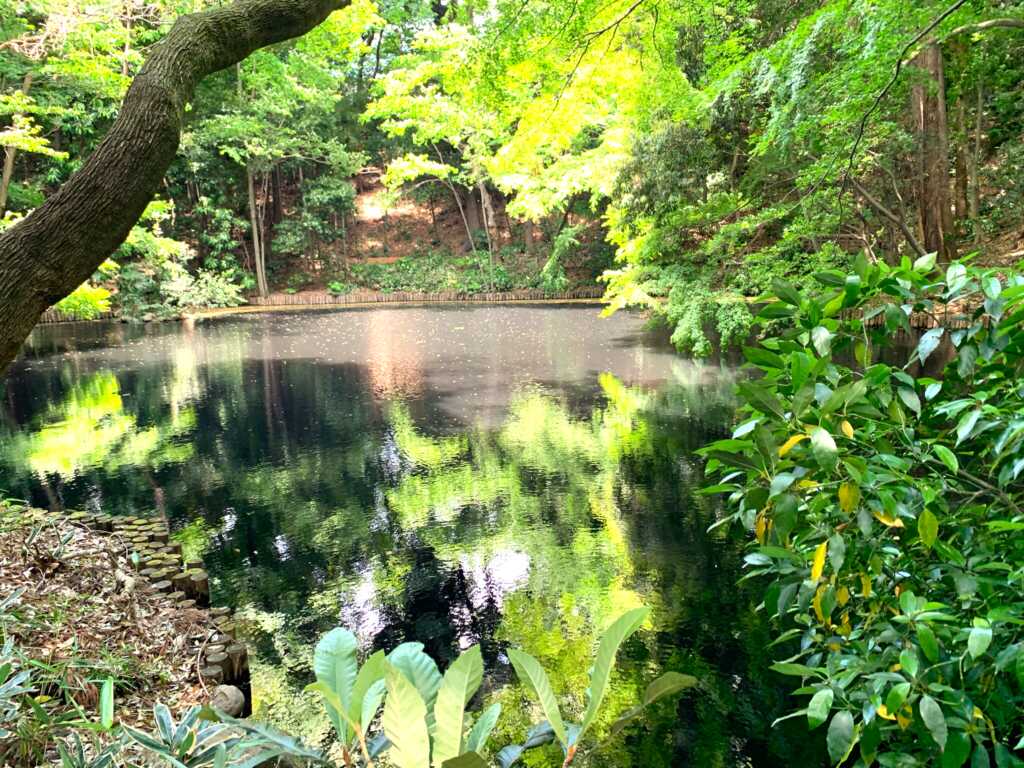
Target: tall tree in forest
{"x":59,"y":245}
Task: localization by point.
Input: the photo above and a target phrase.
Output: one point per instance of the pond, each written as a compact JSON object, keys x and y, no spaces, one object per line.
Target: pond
{"x":513,"y":476}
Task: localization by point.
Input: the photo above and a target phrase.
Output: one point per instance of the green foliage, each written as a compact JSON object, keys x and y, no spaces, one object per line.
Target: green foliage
{"x":425,"y":722}
{"x":885,"y":505}
{"x":339,"y":288}
{"x":86,"y":302}
{"x":435,"y":272}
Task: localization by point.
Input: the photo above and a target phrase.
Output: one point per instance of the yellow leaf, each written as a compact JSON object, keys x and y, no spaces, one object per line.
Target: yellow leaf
{"x":819,"y":561}
{"x":904,"y":718}
{"x":849,"y":497}
{"x":816,"y":603}
{"x":883,"y":711}
{"x":842,"y":596}
{"x":846,"y":629}
{"x":865,"y":585}
{"x":787,"y":446}
{"x":847,"y":428}
{"x":759,"y":527}
{"x":807,"y":484}
{"x":891,"y":522}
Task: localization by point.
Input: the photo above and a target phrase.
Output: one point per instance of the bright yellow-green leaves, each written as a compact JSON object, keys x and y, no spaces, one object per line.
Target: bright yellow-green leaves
{"x":818,"y":563}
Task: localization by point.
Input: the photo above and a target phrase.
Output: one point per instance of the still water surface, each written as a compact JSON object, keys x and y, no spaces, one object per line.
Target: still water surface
{"x":503,"y":475}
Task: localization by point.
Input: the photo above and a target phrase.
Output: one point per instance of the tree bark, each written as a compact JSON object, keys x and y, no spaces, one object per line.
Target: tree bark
{"x":960,"y":207}
{"x":259,"y":252}
{"x":56,"y":248}
{"x":930,"y":125}
{"x":9,"y":155}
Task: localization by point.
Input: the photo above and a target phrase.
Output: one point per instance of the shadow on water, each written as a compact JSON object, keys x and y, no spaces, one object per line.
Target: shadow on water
{"x":509,"y":476}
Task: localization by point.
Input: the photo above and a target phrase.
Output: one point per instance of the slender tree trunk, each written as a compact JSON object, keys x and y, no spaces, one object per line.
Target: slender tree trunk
{"x":928,"y":113}
{"x":278,"y":196}
{"x":257,"y":239}
{"x":974,"y":201}
{"x":458,"y":201}
{"x":8,"y":173}
{"x":51,"y":252}
{"x":488,"y":215}
{"x":960,"y":165}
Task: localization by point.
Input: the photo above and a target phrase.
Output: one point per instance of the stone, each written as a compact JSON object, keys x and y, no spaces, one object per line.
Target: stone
{"x":228,"y":699}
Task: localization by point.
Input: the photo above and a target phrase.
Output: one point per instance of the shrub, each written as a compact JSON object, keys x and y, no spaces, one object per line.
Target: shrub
{"x":886,"y":509}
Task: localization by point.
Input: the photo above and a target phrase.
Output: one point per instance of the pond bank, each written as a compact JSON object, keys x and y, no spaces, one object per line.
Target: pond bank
{"x":320,"y":299}
{"x":95,"y":597}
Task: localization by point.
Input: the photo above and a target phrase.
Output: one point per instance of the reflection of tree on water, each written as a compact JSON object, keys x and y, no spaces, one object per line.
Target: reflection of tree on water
{"x":324,"y":508}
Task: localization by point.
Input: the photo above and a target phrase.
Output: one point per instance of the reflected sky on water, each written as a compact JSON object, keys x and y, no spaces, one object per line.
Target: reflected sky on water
{"x":501,"y":475}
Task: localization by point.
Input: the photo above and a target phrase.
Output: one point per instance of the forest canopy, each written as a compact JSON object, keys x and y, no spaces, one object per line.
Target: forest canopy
{"x":684,"y":153}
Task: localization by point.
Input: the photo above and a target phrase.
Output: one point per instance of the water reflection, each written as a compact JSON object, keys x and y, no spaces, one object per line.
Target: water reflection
{"x":507,"y":476}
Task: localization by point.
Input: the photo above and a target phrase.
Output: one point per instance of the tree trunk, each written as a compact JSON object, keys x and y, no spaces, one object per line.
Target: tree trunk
{"x":56,"y":248}
{"x":8,"y":174}
{"x":974,"y":201}
{"x":928,"y":114}
{"x":960,"y":165}
{"x":488,"y":213}
{"x":472,"y":206}
{"x":255,"y":222}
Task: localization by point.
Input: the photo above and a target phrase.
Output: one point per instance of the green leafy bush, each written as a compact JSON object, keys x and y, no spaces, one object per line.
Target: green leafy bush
{"x":886,"y":508}
{"x":86,"y":302}
{"x":339,"y":288}
{"x":436,"y":272}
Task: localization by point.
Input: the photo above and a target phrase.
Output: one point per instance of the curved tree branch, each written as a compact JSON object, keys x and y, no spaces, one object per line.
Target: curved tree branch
{"x":57,"y":247}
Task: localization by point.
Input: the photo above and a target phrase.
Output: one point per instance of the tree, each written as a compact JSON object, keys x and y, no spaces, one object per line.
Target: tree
{"x":58,"y":246}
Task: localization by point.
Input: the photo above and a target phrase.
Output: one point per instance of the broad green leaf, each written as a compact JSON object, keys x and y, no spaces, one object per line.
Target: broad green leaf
{"x":604,"y":662}
{"x":368,"y":690}
{"x":786,"y":292}
{"x":909,"y":661}
{"x":979,"y":639}
{"x":468,"y":760}
{"x":927,"y":527}
{"x":760,"y":397}
{"x":925,"y":264}
{"x":797,"y":670}
{"x":932,"y":715}
{"x":336,"y":665}
{"x":819,"y":707}
{"x":334,"y":708}
{"x":929,"y":645}
{"x":107,"y":704}
{"x":958,"y":749}
{"x":910,"y":399}
{"x":947,"y":457}
{"x":460,"y":682}
{"x":482,"y":728}
{"x":532,"y":673}
{"x":821,"y":337}
{"x":966,"y":425}
{"x":824,"y":448}
{"x":419,"y":669}
{"x":928,"y":343}
{"x":668,"y":684}
{"x":405,"y":722}
{"x":763,"y":358}
{"x":897,"y":695}
{"x":840,"y":736}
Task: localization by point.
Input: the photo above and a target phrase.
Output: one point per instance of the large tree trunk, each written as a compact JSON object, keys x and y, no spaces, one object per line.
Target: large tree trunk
{"x":56,"y":248}
{"x":928,"y":115}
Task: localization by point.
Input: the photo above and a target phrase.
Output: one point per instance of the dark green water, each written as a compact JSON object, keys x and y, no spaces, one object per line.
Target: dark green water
{"x":509,"y":476}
